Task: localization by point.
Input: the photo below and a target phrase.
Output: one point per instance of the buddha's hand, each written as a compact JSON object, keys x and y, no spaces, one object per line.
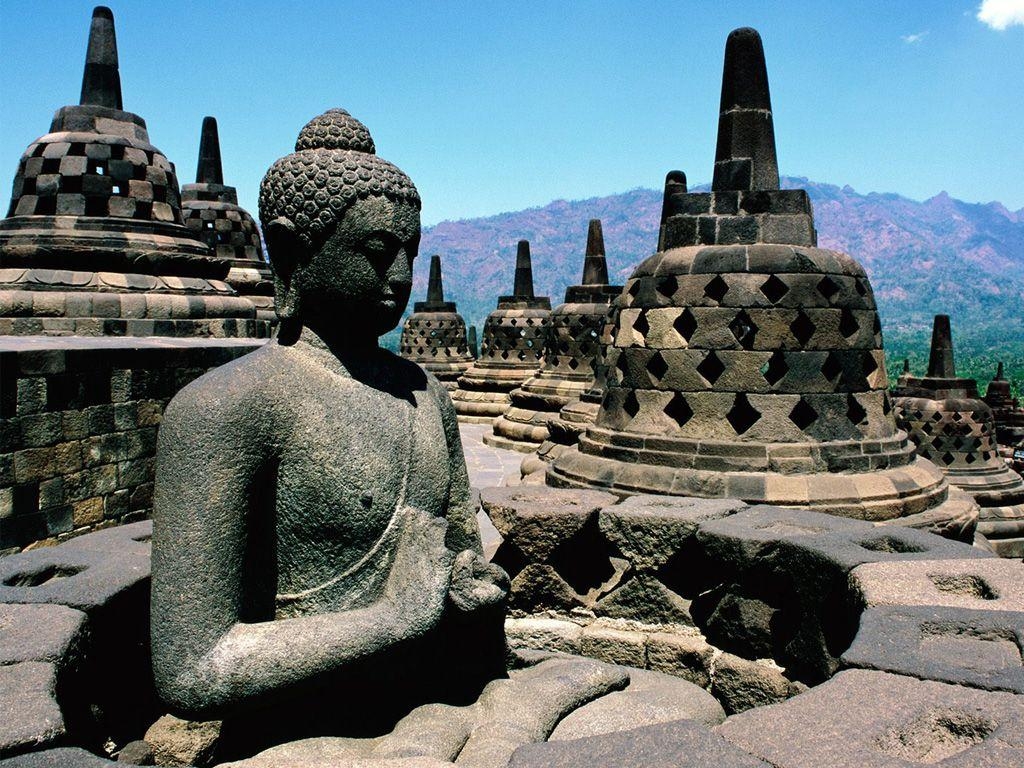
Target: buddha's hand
{"x":475,"y":583}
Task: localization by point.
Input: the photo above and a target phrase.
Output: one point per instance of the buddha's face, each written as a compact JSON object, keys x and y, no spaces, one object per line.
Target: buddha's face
{"x":362,"y":274}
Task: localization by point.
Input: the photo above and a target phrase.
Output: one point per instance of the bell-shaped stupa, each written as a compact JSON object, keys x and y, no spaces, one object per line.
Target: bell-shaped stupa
{"x":956,"y":431}
{"x":748,"y":362}
{"x":211,"y":211}
{"x":511,"y":350}
{"x":434,"y":336}
{"x":1006,"y":409}
{"x":571,"y":349}
{"x":94,"y":242}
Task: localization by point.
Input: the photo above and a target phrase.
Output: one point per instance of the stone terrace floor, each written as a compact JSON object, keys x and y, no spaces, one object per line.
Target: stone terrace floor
{"x":488,"y":467}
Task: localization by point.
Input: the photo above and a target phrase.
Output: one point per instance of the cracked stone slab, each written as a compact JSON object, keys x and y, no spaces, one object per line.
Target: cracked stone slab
{"x":536,"y":519}
{"x":648,"y":530}
{"x":864,"y":718}
{"x":665,"y":745}
{"x":980,"y":649}
{"x":994,"y":585}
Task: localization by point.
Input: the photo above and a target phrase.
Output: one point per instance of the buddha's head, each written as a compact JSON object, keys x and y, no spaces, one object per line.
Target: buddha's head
{"x":342,"y":228}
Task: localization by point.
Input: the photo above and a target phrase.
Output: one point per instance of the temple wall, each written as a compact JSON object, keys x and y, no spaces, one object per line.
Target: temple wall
{"x":78,"y":426}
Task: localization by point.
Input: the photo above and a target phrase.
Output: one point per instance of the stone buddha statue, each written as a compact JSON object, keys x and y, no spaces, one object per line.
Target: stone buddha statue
{"x":312,"y":515}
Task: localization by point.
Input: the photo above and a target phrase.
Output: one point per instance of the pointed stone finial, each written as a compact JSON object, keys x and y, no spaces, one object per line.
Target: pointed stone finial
{"x":101,"y":82}
{"x":595,"y":267}
{"x":906,"y":366}
{"x":471,"y":340}
{"x":523,"y":288}
{"x":209,"y":170}
{"x":745,"y":157}
{"x":940,"y":360}
{"x":435,"y":290}
{"x":675,"y":184}
{"x":999,"y":372}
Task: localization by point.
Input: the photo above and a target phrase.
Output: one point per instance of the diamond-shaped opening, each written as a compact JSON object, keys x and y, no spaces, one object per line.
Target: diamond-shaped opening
{"x":886,"y":404}
{"x":957,"y":416}
{"x":742,"y":416}
{"x":775,"y":368}
{"x":803,"y":415}
{"x":667,"y":286}
{"x":848,"y":324}
{"x":861,"y":288}
{"x":936,"y":416}
{"x":802,"y":327}
{"x":937,"y":441}
{"x":711,"y":368}
{"x":774,"y":289}
{"x":947,"y":458}
{"x":743,"y":329}
{"x":634,"y":288}
{"x":641,"y":325}
{"x":679,"y":410}
{"x":685,"y":324}
{"x":854,"y":410}
{"x":631,"y":405}
{"x":827,"y":287}
{"x":716,"y":289}
{"x":584,"y":560}
{"x":831,"y":368}
{"x":868,"y":364}
{"x":513,"y":321}
{"x":657,"y":367}
{"x":529,"y":321}
{"x":573,"y":363}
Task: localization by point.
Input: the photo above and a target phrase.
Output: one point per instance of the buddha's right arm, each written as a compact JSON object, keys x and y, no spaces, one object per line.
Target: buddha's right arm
{"x":215,"y":643}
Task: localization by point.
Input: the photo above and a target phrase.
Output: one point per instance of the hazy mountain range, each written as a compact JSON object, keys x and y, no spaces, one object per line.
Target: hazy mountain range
{"x":940,"y":255}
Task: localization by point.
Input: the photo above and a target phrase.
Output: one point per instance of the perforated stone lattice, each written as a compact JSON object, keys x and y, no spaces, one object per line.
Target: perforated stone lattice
{"x":229,"y":230}
{"x":947,"y":434}
{"x":512,"y":336}
{"x":95,"y":175}
{"x":434,"y":337}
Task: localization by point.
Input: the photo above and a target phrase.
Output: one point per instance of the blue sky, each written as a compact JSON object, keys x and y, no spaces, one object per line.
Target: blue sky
{"x":497,"y":106}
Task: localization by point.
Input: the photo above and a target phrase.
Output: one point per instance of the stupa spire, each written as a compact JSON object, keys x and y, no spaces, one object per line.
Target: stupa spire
{"x":523,"y":288}
{"x":101,"y":81}
{"x":999,"y":371}
{"x":435,"y":289}
{"x":209,"y":170}
{"x":745,"y":157}
{"x":595,"y":267}
{"x":940,"y":359}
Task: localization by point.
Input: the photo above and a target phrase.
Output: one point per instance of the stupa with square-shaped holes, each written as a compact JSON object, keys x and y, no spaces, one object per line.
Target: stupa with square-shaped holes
{"x":748,"y":362}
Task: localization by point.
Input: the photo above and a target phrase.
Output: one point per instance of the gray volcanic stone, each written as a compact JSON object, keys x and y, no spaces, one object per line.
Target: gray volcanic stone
{"x":796,"y":563}
{"x":63,"y":757}
{"x":73,"y":574}
{"x":980,"y":649}
{"x":665,"y":745}
{"x":862,"y":718}
{"x":650,"y":697}
{"x":137,"y":752}
{"x":30,"y":717}
{"x":39,"y":633}
{"x":649,"y":529}
{"x":313,"y":527}
{"x":538,"y":519}
{"x":995,"y":585}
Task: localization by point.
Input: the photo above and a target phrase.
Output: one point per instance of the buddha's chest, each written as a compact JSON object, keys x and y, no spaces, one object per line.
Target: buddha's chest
{"x":351,"y":459}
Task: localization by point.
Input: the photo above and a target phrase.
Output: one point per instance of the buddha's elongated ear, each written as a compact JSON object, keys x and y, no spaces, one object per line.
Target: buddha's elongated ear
{"x":285,"y":249}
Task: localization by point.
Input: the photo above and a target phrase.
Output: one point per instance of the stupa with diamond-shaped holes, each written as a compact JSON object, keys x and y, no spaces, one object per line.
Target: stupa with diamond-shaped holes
{"x":1007,"y":410}
{"x":956,"y":430}
{"x":570,"y":355}
{"x":511,"y":350}
{"x":434,"y":336}
{"x":748,"y":362}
